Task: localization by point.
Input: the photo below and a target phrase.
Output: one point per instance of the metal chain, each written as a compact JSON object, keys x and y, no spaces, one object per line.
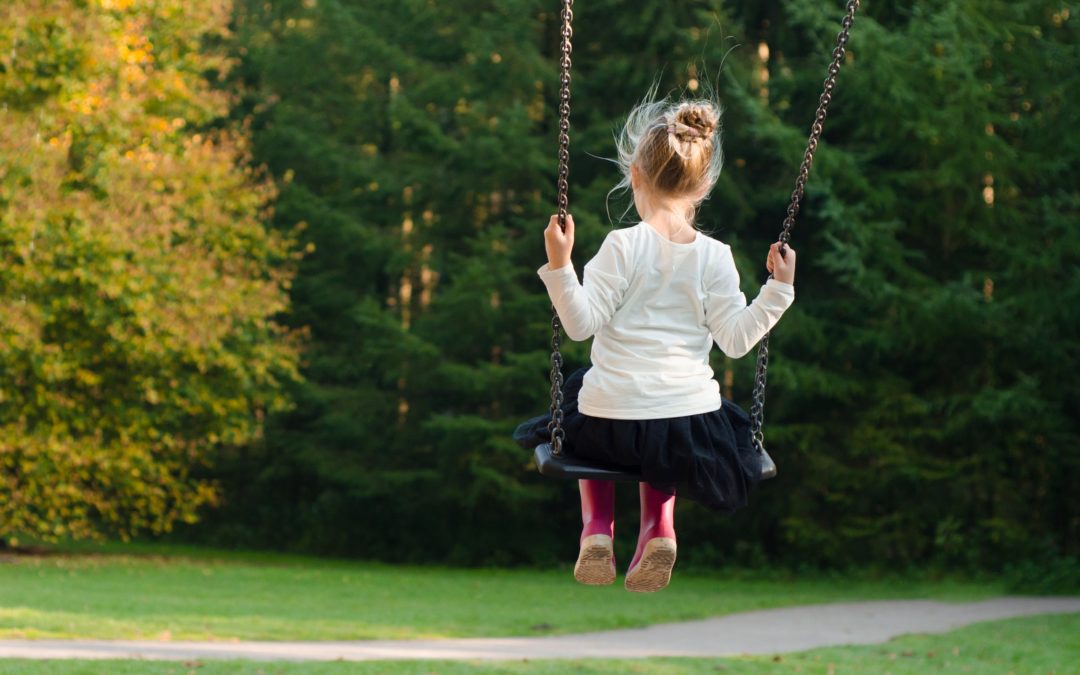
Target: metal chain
{"x":567,"y":32}
{"x":757,"y":409}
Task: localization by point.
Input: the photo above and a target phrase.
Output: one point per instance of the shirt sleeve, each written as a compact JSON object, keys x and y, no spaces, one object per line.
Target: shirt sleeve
{"x":735,"y":326}
{"x":584,"y":308}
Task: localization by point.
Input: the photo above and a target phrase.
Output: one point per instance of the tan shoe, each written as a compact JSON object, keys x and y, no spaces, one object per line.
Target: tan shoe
{"x":653,"y":571}
{"x":596,"y":561}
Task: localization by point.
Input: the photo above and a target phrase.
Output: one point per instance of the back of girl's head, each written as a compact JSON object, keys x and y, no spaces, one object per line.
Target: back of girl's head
{"x":675,"y":146}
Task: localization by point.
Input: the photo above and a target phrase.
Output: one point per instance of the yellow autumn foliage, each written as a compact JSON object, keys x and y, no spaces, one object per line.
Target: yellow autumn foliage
{"x":138,"y":282}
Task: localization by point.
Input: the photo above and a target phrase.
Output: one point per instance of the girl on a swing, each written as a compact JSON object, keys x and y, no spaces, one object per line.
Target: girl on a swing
{"x":654,"y":298}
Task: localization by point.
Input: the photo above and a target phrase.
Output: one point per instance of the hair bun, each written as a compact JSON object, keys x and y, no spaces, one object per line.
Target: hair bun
{"x":675,"y":145}
{"x":699,"y":119}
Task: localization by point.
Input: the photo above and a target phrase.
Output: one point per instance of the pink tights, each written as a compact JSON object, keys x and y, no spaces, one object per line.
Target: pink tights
{"x":598,"y":512}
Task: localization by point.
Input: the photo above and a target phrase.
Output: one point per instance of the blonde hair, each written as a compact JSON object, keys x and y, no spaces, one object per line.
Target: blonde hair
{"x":674,"y":144}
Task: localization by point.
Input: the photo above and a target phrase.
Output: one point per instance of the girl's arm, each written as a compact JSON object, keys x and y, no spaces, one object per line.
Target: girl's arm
{"x":735,"y":326}
{"x":584,"y":308}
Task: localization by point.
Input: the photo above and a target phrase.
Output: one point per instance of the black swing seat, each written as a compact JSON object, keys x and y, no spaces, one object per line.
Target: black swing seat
{"x":569,"y":467}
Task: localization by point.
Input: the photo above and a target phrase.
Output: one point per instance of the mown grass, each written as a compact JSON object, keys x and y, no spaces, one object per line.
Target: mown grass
{"x":1043,"y":645}
{"x":131,"y":592}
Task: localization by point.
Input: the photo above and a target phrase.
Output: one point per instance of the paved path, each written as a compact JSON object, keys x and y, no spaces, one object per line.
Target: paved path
{"x":763,"y":632}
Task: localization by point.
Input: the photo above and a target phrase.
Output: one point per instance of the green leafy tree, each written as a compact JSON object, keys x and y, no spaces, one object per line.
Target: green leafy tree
{"x":138,"y":285}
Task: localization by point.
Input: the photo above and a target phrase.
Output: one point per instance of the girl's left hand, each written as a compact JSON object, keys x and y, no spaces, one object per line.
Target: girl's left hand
{"x":559,"y":243}
{"x":782,"y":267}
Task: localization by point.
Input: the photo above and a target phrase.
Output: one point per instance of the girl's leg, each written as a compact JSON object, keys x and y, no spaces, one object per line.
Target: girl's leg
{"x":597,"y":507}
{"x":655,"y":556}
{"x":596,"y":558}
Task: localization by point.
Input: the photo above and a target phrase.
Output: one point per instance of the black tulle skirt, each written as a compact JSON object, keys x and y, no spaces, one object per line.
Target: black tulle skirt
{"x":708,"y":457}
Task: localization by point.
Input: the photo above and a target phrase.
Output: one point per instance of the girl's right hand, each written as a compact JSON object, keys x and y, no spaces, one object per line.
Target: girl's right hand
{"x":558,"y":243}
{"x":782,"y":267}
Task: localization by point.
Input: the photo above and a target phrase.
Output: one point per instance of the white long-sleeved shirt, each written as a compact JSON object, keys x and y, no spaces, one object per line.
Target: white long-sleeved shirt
{"x":655,"y":307}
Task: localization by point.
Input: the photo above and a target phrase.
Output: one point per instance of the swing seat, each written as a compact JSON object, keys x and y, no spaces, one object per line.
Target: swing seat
{"x":568,"y":467}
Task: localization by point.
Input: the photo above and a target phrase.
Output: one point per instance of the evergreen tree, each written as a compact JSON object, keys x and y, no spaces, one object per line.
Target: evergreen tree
{"x":917,"y":410}
{"x":916,"y":407}
{"x":408,"y":140}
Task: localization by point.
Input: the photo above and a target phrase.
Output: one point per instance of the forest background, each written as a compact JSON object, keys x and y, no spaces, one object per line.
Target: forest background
{"x":267,"y":271}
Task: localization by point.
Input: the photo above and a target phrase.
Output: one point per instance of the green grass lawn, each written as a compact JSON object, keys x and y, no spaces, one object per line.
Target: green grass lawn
{"x":191,"y":594}
{"x":1035,"y":645}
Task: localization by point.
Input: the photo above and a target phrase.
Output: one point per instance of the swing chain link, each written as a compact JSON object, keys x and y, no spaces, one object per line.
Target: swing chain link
{"x":757,"y":408}
{"x":562,"y":200}
{"x":555,"y":425}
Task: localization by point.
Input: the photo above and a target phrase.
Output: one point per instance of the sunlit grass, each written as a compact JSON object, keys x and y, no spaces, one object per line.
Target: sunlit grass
{"x":131,"y":592}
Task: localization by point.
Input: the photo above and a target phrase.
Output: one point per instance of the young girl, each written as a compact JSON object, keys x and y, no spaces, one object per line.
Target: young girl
{"x":655,"y":298}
